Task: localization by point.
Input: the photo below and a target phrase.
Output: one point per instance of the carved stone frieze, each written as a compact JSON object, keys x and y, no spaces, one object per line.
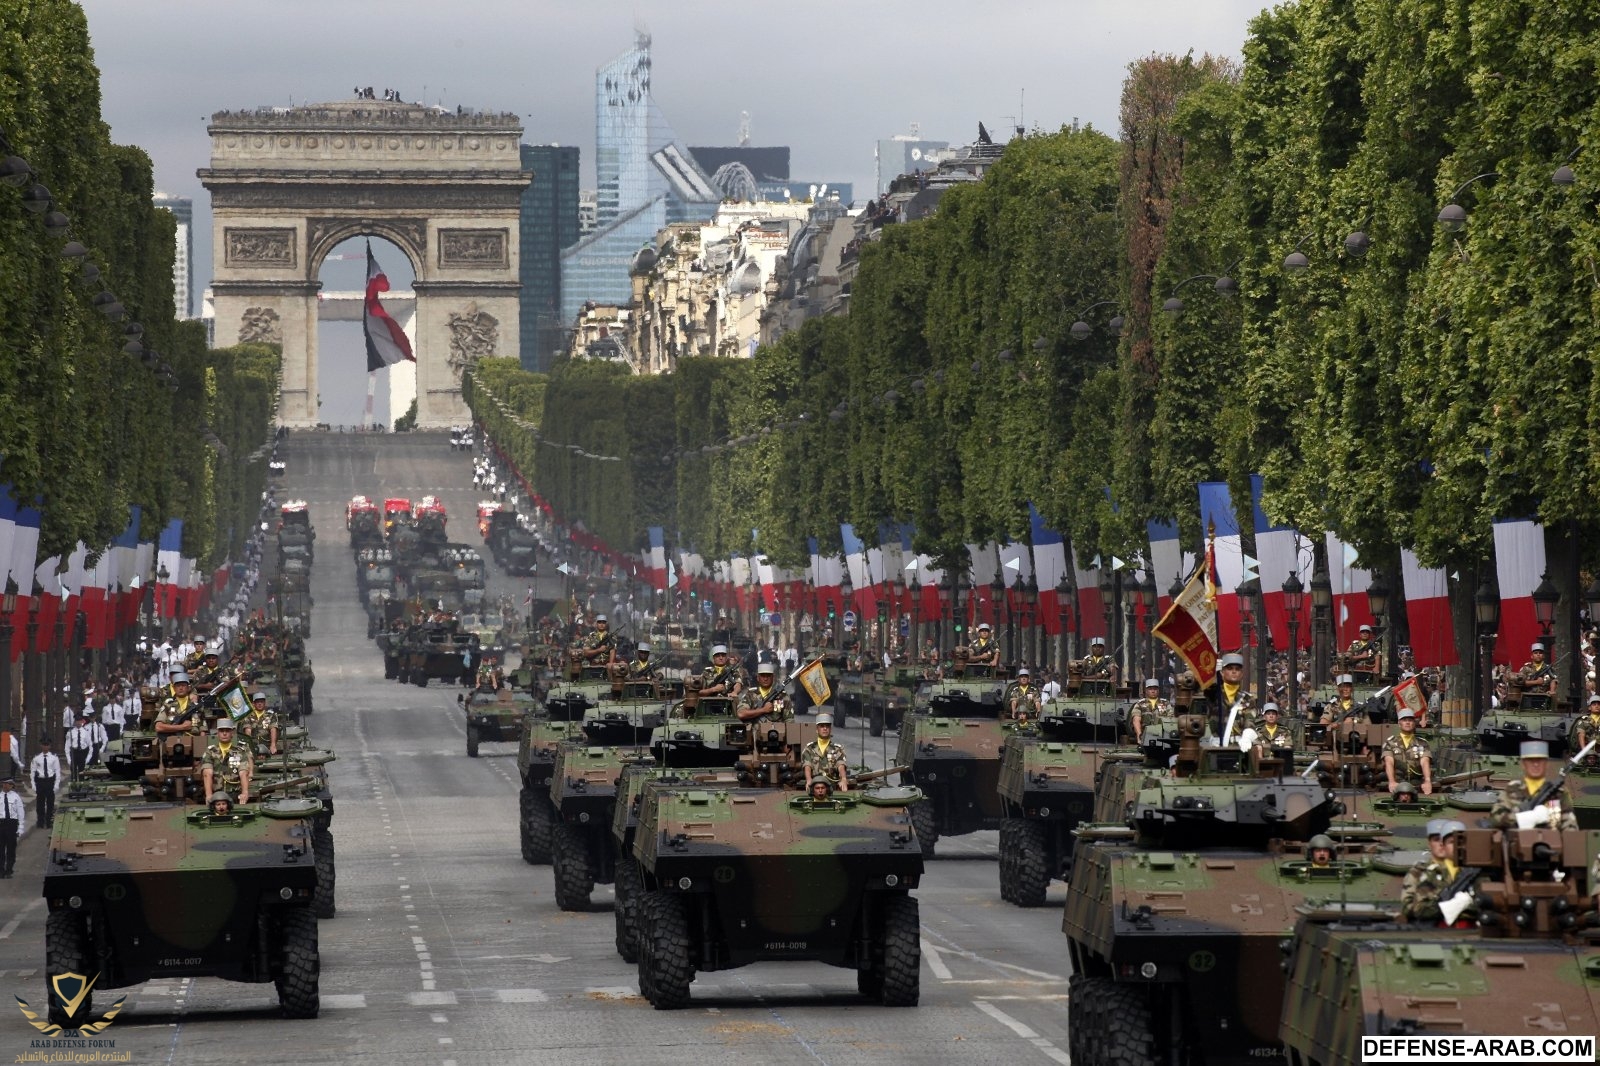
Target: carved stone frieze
{"x":260,"y":325}
{"x":473,"y":335}
{"x":264,"y":247}
{"x":312,"y":197}
{"x":474,"y":248}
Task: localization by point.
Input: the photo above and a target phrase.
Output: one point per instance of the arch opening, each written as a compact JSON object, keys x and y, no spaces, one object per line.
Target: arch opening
{"x":347,"y":395}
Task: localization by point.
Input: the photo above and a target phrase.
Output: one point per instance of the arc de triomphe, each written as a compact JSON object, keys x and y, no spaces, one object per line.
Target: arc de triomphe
{"x":288,"y":184}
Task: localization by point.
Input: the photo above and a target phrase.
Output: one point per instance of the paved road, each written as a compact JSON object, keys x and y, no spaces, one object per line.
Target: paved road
{"x":447,"y":948}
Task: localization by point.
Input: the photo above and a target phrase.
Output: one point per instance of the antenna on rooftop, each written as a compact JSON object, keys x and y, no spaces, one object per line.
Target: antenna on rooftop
{"x":744,"y":129}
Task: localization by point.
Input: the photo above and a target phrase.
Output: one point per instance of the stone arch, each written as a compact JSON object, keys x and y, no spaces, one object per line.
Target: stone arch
{"x":445,"y":187}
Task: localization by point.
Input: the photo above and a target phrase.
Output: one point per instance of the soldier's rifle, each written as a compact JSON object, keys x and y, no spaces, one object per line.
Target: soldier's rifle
{"x":875,"y":775}
{"x":282,"y":786}
{"x":1550,"y":789}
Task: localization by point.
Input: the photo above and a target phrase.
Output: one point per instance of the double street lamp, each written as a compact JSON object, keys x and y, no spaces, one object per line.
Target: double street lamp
{"x":1486,"y":615}
{"x":1294,"y":595}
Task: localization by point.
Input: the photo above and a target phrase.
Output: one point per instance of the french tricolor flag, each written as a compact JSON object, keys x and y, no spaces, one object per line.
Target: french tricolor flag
{"x":1433,"y":633}
{"x":386,"y":341}
{"x":1091,"y":612}
{"x":656,"y":559}
{"x":1216,"y":512}
{"x":1519,"y":564}
{"x":1168,"y":561}
{"x":1049,"y":567}
{"x":1351,"y":609}
{"x":1280,"y":548}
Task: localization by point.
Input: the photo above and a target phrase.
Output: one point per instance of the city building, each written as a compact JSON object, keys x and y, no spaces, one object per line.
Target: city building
{"x":182,"y":209}
{"x":907,"y":153}
{"x":599,"y":332}
{"x":644,"y":181}
{"x":549,"y":224}
{"x":588,"y":212}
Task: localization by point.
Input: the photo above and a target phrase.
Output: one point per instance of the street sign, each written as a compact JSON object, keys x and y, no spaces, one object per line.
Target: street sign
{"x":706,"y":608}
{"x":849,"y":619}
{"x":774,"y":619}
{"x":905,"y":627}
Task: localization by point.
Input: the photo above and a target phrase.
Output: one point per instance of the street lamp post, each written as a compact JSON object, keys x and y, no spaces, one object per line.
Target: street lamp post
{"x":1293,"y":596}
{"x":1321,"y":615}
{"x":1378,"y":604}
{"x":1486,"y":613}
{"x":1064,"y":602}
{"x":914,"y":644}
{"x":1147,"y":599}
{"x":1247,"y":628}
{"x":1030,"y":621}
{"x":7,"y":724}
{"x":997,"y":591}
{"x":1545,"y":598}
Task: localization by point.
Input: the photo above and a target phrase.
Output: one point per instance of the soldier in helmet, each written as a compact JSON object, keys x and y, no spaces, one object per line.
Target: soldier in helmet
{"x":1023,"y":699}
{"x":1587,"y":728}
{"x":600,"y":646}
{"x":1231,"y":687}
{"x":1344,"y":705}
{"x":1270,"y":731}
{"x":220,"y":805}
{"x":985,"y":650}
{"x":1363,"y":652}
{"x":227,"y":764}
{"x":721,"y":678}
{"x":823,"y":759}
{"x":1555,"y":811}
{"x":1320,"y":851}
{"x":764,"y":701}
{"x":261,"y":726}
{"x":1407,"y":760}
{"x":1426,"y":882}
{"x":1149,"y":710}
{"x":1099,"y":666}
{"x":641,"y":668}
{"x":1537,"y":676}
{"x":180,"y":711}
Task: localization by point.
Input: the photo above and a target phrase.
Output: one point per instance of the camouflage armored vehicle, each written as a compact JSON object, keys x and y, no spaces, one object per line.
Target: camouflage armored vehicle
{"x":495,"y":716}
{"x":299,"y":772}
{"x":1088,"y":709}
{"x":952,"y":744}
{"x":375,"y":573}
{"x":1524,"y":714}
{"x":1047,"y":788}
{"x":1174,"y":916}
{"x":697,"y":732}
{"x":295,"y":680}
{"x":731,"y":875}
{"x":1526,"y":969}
{"x":545,"y":728}
{"x":434,"y":650}
{"x":140,"y":890}
{"x":889,"y":696}
{"x":438,"y":588}
{"x":364,"y":524}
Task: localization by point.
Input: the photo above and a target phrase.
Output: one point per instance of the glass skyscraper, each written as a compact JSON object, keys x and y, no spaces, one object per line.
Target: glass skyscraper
{"x":549,"y":225}
{"x":643,"y":181}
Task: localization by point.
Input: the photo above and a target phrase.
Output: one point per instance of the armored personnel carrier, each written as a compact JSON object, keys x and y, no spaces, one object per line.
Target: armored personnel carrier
{"x":1525,"y":970}
{"x":137,"y":890}
{"x":1174,"y":916}
{"x":1088,"y":709}
{"x":375,"y":573}
{"x":434,"y":650}
{"x":495,"y":716}
{"x":1047,"y":788}
{"x":952,"y":744}
{"x":545,"y":727}
{"x":1524,"y":714}
{"x":731,"y":875}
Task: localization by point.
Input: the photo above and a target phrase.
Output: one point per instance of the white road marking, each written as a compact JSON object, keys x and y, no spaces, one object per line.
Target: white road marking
{"x":11,"y":926}
{"x":353,"y":1001}
{"x":520,"y":995}
{"x":431,"y":999}
{"x":1005,"y":1019}
{"x":930,"y":954}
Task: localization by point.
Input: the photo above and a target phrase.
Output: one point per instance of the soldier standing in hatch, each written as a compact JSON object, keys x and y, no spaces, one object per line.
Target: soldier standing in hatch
{"x":985,"y":650}
{"x":1363,"y":652}
{"x":227,"y":764}
{"x":1023,"y":699}
{"x":1344,"y":704}
{"x":1407,"y":760}
{"x":600,"y":645}
{"x":1586,"y":729}
{"x":764,"y":701}
{"x":1099,"y":666}
{"x":824,"y":759}
{"x":1555,"y":812}
{"x":261,"y":726}
{"x":721,"y":677}
{"x":1429,"y":879}
{"x":1319,"y":851}
{"x":1149,"y":710}
{"x":641,"y":668}
{"x":1536,"y":674}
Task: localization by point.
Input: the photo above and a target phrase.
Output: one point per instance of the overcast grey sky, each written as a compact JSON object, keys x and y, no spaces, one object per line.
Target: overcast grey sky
{"x":826,"y":78}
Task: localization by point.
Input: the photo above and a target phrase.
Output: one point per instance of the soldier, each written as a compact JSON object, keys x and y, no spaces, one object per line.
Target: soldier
{"x":227,"y":765}
{"x":1429,"y":879}
{"x":489,"y":678}
{"x":721,"y":677}
{"x":1319,"y":851}
{"x":642,"y":669}
{"x":1363,"y":652}
{"x":764,"y":701}
{"x":1270,"y":733}
{"x":1536,"y":673}
{"x":1099,"y":666}
{"x":824,"y":759}
{"x":1344,"y":705}
{"x":1149,"y":710}
{"x":261,"y":726}
{"x":180,"y":711}
{"x":220,"y":805}
{"x":1510,"y":809}
{"x":985,"y":651}
{"x":1023,"y":699}
{"x":1234,"y":694}
{"x":1407,"y":762}
{"x":600,"y":645}
{"x":1586,"y":729}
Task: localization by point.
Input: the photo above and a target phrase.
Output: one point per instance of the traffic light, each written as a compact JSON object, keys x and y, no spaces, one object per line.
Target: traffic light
{"x":959,"y":627}
{"x":830,"y":612}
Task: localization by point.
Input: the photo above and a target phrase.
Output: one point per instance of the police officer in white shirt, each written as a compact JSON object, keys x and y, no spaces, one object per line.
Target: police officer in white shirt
{"x":80,"y":744}
{"x":46,"y":771}
{"x":111,"y":715}
{"x":11,"y":826}
{"x":97,"y":737}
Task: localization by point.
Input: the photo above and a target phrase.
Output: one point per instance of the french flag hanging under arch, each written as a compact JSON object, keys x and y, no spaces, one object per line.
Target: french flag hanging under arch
{"x":386,"y":341}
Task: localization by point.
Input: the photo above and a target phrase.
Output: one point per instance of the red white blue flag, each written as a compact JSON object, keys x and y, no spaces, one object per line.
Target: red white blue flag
{"x":386,"y":341}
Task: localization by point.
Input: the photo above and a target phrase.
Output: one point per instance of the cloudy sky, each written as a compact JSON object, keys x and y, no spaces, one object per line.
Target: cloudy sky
{"x":825,"y":78}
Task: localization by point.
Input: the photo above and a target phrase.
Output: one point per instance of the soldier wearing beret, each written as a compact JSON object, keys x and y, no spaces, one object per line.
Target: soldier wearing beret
{"x":1421,"y":897}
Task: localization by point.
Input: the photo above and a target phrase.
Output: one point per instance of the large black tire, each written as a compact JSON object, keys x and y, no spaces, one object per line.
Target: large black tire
{"x":1078,"y":1022}
{"x":925,"y":822}
{"x":666,"y":961}
{"x":472,"y":742}
{"x":306,"y":702}
{"x":297,"y":979}
{"x":534,"y":826}
{"x":902,"y":952}
{"x":569,"y":861}
{"x":1008,"y":859}
{"x":66,"y":950}
{"x":1127,"y":1034}
{"x":1031,"y":872}
{"x":629,"y":887}
{"x":322,"y":900}
{"x":875,"y":721}
{"x":1087,"y":1020}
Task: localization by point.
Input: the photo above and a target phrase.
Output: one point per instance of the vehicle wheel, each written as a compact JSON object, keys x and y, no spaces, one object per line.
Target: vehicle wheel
{"x":1127,"y":1033}
{"x":569,"y":860}
{"x":875,"y":722}
{"x":535,"y":826}
{"x":666,"y":963}
{"x":925,"y":822}
{"x":1078,"y":993}
{"x":66,"y":950}
{"x":472,"y":741}
{"x":1008,"y":859}
{"x":629,"y":886}
{"x":297,"y":981}
{"x":902,"y":952}
{"x":1030,"y":875}
{"x":322,"y":904}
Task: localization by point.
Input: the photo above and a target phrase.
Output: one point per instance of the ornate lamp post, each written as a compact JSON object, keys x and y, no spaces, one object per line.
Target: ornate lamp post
{"x":1030,"y":620}
{"x":1065,"y":601}
{"x":7,"y":724}
{"x":1321,"y":616}
{"x":997,"y":591}
{"x":32,"y":694}
{"x":1252,"y":626}
{"x":1147,"y":599}
{"x":1294,"y":594}
{"x":914,"y":645}
{"x":1545,"y":598}
{"x":1378,"y":604}
{"x":1486,"y":613}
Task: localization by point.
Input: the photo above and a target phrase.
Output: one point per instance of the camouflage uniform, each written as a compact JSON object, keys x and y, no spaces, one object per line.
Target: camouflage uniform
{"x":1537,"y":676}
{"x":1424,"y":889}
{"x":824,"y":764}
{"x":1408,"y":754}
{"x":1098,"y":667}
{"x":981,"y":650}
{"x":225,"y":769}
{"x":1241,"y":696}
{"x":1282,"y":738}
{"x":641,"y":670}
{"x":1146,"y":713}
{"x":258,"y":727}
{"x":598,"y":641}
{"x":1515,"y":795}
{"x":1363,"y":655}
{"x":753,"y":697}
{"x":721,"y":675}
{"x":1023,"y":702}
{"x":1336,"y":708}
{"x":174,"y":713}
{"x":1584,"y":730}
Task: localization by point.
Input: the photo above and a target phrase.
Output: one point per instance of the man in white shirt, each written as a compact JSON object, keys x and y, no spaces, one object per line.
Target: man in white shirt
{"x":11,"y":826}
{"x":111,"y":715}
{"x":80,"y":743}
{"x":46,"y":771}
{"x":97,"y":738}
